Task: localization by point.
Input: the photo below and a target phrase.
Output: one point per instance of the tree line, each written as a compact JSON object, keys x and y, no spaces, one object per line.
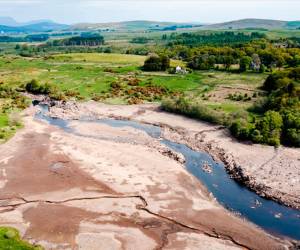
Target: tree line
{"x":216,"y":38}
{"x":91,"y":40}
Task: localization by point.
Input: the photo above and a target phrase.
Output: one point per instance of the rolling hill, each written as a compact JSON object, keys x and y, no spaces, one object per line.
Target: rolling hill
{"x":132,"y":25}
{"x":255,"y":23}
{"x":9,"y":25}
{"x":34,"y":27}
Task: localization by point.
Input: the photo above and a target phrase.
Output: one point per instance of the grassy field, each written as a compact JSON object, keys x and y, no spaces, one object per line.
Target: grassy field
{"x":118,"y":79}
{"x":115,"y":59}
{"x":90,"y":74}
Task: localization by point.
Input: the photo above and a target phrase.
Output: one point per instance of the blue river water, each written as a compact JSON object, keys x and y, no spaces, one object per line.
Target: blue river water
{"x":277,"y":219}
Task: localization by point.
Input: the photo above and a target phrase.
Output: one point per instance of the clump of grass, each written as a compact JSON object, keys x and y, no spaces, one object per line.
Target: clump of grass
{"x":14,"y":119}
{"x":10,"y":239}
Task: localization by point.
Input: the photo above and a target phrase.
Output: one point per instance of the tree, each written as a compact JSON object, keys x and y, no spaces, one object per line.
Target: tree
{"x":228,"y":61}
{"x":262,"y":68}
{"x":244,"y":63}
{"x":165,"y":62}
{"x":156,"y":63}
{"x":270,"y":127}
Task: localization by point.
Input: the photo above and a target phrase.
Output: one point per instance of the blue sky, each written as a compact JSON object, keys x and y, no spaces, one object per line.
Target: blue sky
{"x":202,"y":11}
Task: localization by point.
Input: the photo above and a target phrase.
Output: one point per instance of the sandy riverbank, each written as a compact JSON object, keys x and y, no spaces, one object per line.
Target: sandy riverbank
{"x":119,"y":190}
{"x":272,"y":173}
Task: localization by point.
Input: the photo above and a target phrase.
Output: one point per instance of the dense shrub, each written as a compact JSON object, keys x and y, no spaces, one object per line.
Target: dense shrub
{"x":46,"y":89}
{"x":156,"y":63}
{"x":281,"y":122}
{"x":35,"y":88}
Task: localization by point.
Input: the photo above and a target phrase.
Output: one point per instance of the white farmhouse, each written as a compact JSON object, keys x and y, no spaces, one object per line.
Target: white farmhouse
{"x":180,"y":70}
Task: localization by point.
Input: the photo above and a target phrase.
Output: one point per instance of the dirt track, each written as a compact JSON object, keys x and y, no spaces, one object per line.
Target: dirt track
{"x":74,"y":192}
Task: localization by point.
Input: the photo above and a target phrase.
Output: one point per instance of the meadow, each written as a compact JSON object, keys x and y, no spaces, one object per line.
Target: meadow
{"x":118,"y":79}
{"x":88,"y":74}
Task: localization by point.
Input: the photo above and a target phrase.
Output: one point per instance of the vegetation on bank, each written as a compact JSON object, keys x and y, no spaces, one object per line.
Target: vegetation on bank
{"x":11,"y":102}
{"x":10,"y":239}
{"x":274,"y":120}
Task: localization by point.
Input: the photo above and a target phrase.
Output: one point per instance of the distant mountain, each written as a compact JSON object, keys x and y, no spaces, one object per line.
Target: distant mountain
{"x":255,"y":23}
{"x":36,"y":21}
{"x":44,"y":27}
{"x":132,"y":25}
{"x":34,"y":27}
{"x":8,"y":21}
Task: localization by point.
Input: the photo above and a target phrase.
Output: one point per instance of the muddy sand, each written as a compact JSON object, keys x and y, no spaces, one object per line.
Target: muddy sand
{"x":117,"y":190}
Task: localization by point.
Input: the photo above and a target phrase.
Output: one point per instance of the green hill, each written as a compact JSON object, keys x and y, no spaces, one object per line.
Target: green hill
{"x":255,"y":24}
{"x":132,"y":26}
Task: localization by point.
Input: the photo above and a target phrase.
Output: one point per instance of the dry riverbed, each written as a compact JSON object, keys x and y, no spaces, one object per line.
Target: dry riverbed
{"x":118,"y":188}
{"x":272,"y":173}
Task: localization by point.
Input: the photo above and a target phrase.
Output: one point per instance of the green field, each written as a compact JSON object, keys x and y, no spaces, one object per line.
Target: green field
{"x":92,"y":73}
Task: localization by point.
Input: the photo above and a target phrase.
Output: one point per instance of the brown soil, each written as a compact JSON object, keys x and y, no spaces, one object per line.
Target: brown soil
{"x":35,"y":169}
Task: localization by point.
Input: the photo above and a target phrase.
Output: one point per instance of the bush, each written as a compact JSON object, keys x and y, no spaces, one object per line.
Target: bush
{"x":292,"y":137}
{"x":241,"y":129}
{"x":14,"y":119}
{"x":156,"y":63}
{"x":35,"y":88}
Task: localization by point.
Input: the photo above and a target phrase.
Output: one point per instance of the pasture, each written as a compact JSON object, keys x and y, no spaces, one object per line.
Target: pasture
{"x":118,"y":79}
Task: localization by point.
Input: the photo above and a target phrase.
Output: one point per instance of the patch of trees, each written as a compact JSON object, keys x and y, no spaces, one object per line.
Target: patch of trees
{"x":281,"y":112}
{"x":64,"y":34}
{"x":37,"y":38}
{"x":217,"y":38}
{"x":29,"y":38}
{"x":141,"y":40}
{"x":156,"y":63}
{"x":138,"y":51}
{"x":10,"y":39}
{"x":90,"y":40}
{"x":258,"y":56}
{"x":274,"y":121}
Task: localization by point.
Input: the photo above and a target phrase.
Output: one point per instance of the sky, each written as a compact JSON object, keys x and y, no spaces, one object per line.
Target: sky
{"x":200,"y":11}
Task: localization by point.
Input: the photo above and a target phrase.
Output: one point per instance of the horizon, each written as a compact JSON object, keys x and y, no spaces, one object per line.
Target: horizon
{"x":191,"y":11}
{"x":147,"y":20}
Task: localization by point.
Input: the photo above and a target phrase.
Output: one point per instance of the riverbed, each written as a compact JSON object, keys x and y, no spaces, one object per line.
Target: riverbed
{"x":277,"y":219}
